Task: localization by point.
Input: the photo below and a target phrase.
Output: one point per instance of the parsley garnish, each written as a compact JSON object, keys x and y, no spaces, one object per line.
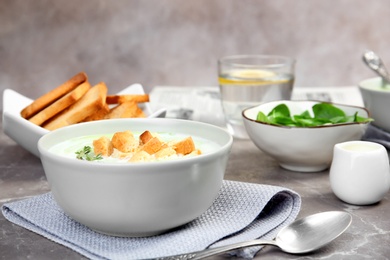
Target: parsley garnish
{"x":85,"y":154}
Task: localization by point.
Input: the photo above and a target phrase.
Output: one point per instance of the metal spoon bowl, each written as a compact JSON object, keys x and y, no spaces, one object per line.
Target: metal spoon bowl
{"x":302,"y":236}
{"x":375,"y":63}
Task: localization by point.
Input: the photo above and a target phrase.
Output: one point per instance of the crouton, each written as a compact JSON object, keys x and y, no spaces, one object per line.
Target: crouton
{"x":145,"y":137}
{"x":140,"y":156}
{"x":125,"y":141}
{"x":196,"y":152}
{"x":152,"y":146}
{"x":165,"y":152}
{"x":184,"y":146}
{"x":103,"y":146}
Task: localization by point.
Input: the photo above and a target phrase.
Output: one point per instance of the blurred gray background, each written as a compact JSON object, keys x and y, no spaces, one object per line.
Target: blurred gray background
{"x":177,"y":43}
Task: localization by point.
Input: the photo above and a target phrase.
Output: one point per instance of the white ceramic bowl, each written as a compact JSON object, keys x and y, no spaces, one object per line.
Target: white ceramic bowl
{"x":136,"y":199}
{"x":301,"y":149}
{"x":377,"y":100}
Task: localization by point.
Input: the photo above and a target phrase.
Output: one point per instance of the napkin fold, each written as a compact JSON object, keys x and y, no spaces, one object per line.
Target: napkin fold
{"x":377,"y":135}
{"x":242,"y":211}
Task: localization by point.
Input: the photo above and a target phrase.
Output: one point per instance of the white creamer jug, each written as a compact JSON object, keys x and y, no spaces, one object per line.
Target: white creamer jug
{"x":359,"y":173}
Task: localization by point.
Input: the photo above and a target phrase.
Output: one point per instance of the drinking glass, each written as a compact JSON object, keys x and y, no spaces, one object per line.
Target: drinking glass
{"x":248,"y":80}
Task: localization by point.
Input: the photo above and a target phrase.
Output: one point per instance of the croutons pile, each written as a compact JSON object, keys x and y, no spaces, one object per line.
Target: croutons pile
{"x":148,"y":147}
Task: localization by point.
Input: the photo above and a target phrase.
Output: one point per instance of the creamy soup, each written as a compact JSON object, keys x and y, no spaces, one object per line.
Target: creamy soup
{"x":376,"y":85}
{"x":69,"y":147}
{"x":360,"y":147}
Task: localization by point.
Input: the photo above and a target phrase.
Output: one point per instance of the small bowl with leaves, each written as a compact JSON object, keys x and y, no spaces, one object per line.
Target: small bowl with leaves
{"x":301,"y":135}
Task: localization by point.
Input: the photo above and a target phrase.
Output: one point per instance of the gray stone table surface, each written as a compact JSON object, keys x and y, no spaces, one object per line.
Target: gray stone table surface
{"x":22,"y":176}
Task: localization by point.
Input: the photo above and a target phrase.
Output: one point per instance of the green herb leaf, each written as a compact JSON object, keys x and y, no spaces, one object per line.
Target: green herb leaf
{"x":361,"y":119}
{"x":324,"y":113}
{"x":262,"y":117}
{"x":280,"y":111}
{"x":327,"y":111}
{"x":87,"y":154}
{"x":283,"y":120}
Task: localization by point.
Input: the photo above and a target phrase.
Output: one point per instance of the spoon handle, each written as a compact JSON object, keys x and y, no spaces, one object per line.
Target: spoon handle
{"x":214,"y":251}
{"x":382,"y":71}
{"x":384,"y":74}
{"x":374,"y":62}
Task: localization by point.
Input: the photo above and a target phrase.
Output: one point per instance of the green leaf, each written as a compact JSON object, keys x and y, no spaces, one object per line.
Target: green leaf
{"x":305,"y":122}
{"x":280,"y":111}
{"x":87,"y":154}
{"x":283,"y":120}
{"x":361,"y":119}
{"x":324,"y":113}
{"x":262,"y":117}
{"x":341,"y":119}
{"x":305,"y":114}
{"x":326,"y":110}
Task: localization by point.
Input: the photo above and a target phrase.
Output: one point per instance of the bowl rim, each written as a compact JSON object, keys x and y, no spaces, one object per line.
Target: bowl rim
{"x":305,"y":128}
{"x":362,"y":86}
{"x":66,"y":160}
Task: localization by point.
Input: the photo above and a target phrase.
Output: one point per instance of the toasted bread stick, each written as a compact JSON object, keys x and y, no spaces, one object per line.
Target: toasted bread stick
{"x":48,"y":98}
{"x":60,"y":104}
{"x":117,"y":99}
{"x":125,"y":110}
{"x":89,"y":104}
{"x":100,"y":114}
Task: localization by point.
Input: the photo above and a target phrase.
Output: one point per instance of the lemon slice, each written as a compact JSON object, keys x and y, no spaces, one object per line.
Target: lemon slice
{"x":252,"y":74}
{"x":249,"y":77}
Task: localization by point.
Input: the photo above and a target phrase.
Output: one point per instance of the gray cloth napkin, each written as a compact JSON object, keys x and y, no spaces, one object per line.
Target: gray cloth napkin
{"x":377,"y":135}
{"x":242,"y":211}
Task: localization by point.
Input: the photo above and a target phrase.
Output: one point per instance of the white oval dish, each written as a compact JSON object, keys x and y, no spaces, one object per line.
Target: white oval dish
{"x":27,"y":134}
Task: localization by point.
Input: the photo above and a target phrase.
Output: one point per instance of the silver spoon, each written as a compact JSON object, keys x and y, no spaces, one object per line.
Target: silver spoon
{"x":374,"y":62}
{"x":302,"y":236}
